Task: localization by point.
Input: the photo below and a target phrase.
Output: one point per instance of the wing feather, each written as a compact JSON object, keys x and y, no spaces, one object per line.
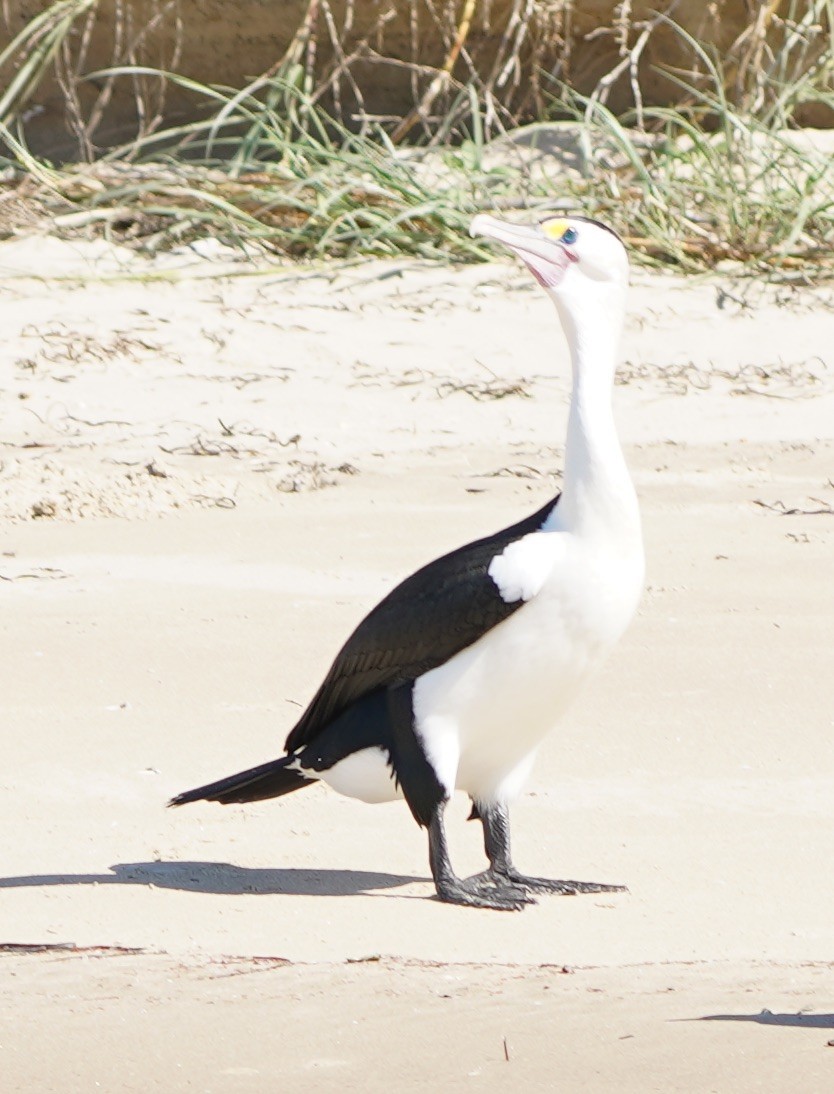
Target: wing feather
{"x":429,"y":617}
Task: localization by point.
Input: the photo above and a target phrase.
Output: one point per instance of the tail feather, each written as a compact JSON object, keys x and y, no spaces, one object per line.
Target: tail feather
{"x":269,"y":780}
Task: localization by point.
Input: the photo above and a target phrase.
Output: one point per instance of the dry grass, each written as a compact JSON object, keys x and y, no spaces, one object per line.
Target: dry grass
{"x":718,"y":177}
{"x":780,"y":380}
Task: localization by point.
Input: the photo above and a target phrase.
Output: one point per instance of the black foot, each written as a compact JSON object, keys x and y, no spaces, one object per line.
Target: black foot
{"x":488,"y":881}
{"x":551,"y":885}
{"x":474,"y":892}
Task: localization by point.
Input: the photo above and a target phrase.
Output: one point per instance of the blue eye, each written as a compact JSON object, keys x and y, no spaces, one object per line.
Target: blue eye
{"x":570,"y":235}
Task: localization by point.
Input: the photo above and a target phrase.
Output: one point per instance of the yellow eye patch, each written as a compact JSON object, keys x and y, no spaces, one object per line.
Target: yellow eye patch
{"x":560,"y":229}
{"x":555,"y":228}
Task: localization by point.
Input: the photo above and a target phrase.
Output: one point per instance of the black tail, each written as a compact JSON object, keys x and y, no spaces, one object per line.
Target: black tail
{"x":266,"y":781}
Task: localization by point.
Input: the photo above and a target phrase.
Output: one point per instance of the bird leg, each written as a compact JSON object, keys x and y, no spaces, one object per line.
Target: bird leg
{"x":502,"y":872}
{"x":472,"y":892}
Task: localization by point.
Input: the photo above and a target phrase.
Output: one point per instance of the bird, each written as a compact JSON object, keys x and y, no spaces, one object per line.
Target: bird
{"x":456,"y":677}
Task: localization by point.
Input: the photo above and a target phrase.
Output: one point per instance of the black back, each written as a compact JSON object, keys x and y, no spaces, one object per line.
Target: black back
{"x":435,"y":613}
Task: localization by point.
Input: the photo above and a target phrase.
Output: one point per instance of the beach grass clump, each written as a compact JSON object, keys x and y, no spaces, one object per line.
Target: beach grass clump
{"x":723,"y":176}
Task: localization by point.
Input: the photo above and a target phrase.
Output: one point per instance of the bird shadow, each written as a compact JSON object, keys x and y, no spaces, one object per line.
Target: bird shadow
{"x":221,"y":878}
{"x":768,"y":1018}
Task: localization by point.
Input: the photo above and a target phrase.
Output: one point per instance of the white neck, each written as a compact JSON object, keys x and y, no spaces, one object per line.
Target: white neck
{"x":598,"y":498}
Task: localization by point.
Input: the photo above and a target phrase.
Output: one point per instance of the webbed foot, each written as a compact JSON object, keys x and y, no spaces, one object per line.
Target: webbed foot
{"x":527,"y":884}
{"x":476,"y":892}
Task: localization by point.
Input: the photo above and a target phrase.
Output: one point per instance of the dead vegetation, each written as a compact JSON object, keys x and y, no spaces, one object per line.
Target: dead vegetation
{"x":681,"y":120}
{"x":779,"y":380}
{"x":421,"y":69}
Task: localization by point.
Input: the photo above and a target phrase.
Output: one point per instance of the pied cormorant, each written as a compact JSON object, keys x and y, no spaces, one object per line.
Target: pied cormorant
{"x":456,"y":677}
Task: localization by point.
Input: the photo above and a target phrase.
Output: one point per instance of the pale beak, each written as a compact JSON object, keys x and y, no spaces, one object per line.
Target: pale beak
{"x":546,"y":258}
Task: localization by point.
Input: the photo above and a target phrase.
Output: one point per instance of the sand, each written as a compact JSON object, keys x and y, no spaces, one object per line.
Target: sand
{"x":206,"y":481}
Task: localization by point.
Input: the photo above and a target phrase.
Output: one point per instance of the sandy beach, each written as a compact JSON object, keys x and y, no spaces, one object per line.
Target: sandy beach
{"x":209,"y":471}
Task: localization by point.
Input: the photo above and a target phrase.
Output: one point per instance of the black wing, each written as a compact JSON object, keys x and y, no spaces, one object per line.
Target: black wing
{"x":428,"y":618}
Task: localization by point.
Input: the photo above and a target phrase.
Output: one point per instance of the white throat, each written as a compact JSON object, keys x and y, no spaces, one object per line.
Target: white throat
{"x":598,"y":497}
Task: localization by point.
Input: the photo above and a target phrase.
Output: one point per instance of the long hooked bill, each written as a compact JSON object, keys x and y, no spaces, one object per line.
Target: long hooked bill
{"x":546,"y":258}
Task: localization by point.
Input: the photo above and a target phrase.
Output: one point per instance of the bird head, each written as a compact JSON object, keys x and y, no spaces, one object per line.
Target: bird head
{"x":574,"y":259}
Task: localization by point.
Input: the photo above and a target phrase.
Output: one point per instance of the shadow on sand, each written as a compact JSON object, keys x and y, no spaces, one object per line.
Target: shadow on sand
{"x":768,"y":1018}
{"x":223,"y":878}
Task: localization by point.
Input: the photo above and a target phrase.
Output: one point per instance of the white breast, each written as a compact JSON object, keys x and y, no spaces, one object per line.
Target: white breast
{"x":482,"y":715}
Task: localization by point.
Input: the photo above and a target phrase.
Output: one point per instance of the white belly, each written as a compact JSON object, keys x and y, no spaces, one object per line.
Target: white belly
{"x":365,"y":775}
{"x":483,"y":714}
